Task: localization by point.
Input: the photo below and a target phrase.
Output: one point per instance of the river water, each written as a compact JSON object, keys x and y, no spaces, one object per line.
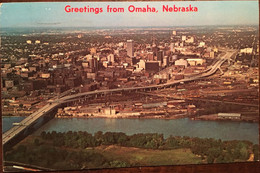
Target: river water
{"x":8,"y":122}
{"x":224,"y":130}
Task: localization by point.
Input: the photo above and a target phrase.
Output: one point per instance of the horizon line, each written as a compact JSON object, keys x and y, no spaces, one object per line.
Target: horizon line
{"x":38,"y":27}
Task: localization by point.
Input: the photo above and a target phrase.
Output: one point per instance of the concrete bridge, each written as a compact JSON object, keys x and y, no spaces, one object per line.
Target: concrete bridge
{"x":56,"y":102}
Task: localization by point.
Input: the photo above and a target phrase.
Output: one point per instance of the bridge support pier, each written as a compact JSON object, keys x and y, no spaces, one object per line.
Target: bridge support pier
{"x":229,"y":62}
{"x":221,"y":71}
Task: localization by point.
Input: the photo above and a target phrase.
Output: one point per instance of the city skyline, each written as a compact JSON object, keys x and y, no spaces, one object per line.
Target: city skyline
{"x":54,"y":15}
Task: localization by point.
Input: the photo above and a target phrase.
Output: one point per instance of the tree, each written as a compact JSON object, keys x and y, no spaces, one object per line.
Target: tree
{"x":82,"y":143}
{"x":220,"y":159}
{"x":137,"y":140}
{"x":210,"y":159}
{"x":117,"y":163}
{"x":108,"y":138}
{"x":228,"y":158}
{"x":53,"y":135}
{"x":58,"y":141}
{"x":21,"y":148}
{"x":36,"y":142}
{"x":172,"y":142}
{"x":244,"y":155}
{"x":214,"y":152}
{"x":122,"y":139}
{"x":43,"y":135}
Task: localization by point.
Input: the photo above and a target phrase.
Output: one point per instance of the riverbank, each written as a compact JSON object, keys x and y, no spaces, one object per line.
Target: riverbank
{"x":172,"y":117}
{"x":16,"y":115}
{"x":215,"y":117}
{"x":168,"y":117}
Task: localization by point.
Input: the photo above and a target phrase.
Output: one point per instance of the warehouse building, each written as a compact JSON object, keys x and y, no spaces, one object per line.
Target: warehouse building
{"x":229,"y":115}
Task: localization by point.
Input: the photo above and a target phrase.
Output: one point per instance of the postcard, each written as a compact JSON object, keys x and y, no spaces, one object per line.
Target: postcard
{"x":92,"y":85}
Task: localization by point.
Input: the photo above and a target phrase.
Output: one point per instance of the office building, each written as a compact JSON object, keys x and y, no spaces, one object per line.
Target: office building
{"x":130,"y":48}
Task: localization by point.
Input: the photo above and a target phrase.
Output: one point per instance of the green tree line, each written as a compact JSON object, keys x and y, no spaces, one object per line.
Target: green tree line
{"x":215,"y":151}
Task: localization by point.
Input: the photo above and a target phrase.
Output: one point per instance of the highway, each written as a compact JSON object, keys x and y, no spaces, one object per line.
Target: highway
{"x":56,"y":101}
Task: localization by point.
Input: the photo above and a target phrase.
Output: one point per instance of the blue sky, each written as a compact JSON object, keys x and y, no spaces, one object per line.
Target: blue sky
{"x":53,"y":14}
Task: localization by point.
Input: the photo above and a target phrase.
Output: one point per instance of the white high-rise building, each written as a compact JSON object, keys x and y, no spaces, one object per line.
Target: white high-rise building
{"x":142,"y":64}
{"x":111,"y":58}
{"x":130,"y":48}
{"x":183,"y":38}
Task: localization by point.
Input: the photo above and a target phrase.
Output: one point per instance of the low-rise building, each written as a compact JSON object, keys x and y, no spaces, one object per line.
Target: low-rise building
{"x":229,"y":115}
{"x":181,"y":62}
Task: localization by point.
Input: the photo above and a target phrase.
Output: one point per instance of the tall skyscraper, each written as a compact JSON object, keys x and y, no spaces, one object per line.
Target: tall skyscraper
{"x":93,"y":63}
{"x":160,"y":55}
{"x":130,"y":48}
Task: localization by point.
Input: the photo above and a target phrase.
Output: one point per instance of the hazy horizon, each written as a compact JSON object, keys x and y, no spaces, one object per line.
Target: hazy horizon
{"x":52,"y":14}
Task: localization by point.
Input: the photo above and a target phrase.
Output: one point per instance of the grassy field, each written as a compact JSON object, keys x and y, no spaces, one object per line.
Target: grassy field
{"x":145,"y":157}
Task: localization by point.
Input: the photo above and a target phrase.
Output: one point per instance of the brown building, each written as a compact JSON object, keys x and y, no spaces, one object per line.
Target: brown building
{"x":9,"y":83}
{"x":72,"y":82}
{"x":152,"y":66}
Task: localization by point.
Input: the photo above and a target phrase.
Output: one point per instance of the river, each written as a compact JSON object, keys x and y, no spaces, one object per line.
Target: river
{"x":224,"y":130}
{"x":8,"y":122}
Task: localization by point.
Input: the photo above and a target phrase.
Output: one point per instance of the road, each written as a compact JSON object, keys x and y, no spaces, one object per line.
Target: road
{"x":7,"y":136}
